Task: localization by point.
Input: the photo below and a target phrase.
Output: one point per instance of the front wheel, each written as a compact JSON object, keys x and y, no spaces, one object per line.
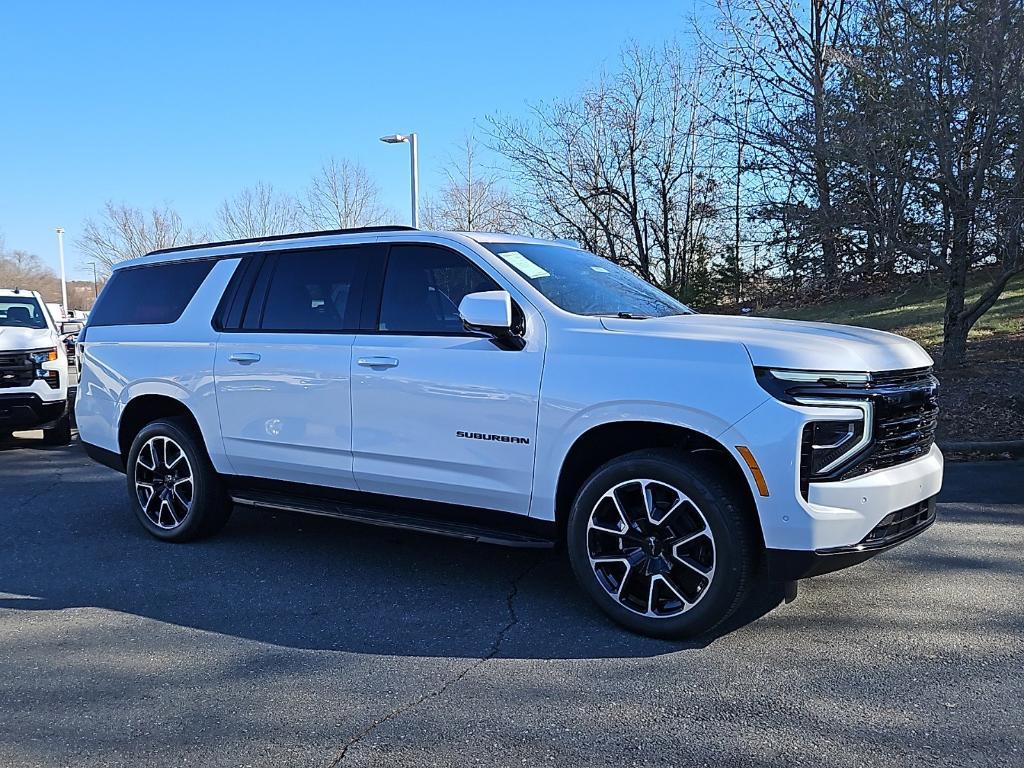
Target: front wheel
{"x":174,"y":489}
{"x":662,"y":543}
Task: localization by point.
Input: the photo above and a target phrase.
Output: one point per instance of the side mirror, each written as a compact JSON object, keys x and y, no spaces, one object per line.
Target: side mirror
{"x":491,"y":312}
{"x":70,"y":327}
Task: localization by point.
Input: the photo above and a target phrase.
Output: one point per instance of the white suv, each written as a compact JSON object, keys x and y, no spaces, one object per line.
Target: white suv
{"x":33,"y":369}
{"x":508,"y":390}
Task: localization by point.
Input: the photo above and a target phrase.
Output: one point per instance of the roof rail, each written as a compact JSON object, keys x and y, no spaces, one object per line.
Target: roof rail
{"x":289,"y":236}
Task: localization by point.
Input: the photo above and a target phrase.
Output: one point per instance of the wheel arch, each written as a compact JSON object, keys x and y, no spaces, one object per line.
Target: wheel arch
{"x":604,"y":442}
{"x":144,"y":409}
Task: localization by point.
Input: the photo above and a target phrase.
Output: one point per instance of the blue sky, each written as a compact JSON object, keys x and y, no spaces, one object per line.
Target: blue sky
{"x":186,"y":103}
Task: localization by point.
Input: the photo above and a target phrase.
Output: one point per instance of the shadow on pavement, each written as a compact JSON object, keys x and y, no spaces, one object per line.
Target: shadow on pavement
{"x":70,"y":540}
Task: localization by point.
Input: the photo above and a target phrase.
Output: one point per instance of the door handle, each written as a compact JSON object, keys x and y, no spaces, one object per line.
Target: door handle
{"x":244,"y":358}
{"x":377,"y":363}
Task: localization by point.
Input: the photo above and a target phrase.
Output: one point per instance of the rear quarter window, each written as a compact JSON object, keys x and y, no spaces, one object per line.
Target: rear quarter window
{"x":149,"y":295}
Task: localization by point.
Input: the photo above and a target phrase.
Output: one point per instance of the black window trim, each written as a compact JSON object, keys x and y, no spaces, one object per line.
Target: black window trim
{"x":271,"y":258}
{"x":238,"y":291}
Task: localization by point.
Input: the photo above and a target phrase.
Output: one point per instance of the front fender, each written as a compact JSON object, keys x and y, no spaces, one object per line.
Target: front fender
{"x":554,"y":444}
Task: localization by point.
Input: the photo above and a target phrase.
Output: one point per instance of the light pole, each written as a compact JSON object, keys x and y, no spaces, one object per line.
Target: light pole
{"x":397,"y":138}
{"x":95,"y":290}
{"x":63,"y":277}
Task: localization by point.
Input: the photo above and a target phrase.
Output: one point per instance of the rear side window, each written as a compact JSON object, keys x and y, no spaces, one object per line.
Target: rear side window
{"x":423,"y":287}
{"x":315,"y":291}
{"x":149,"y":295}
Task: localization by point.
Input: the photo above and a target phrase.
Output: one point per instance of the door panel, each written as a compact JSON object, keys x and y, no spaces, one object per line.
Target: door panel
{"x":287,"y":414}
{"x":439,"y":413}
{"x":407,"y":420}
{"x":283,"y":376}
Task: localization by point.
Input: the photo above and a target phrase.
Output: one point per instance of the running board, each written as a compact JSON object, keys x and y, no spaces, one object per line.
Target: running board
{"x":387,"y":519}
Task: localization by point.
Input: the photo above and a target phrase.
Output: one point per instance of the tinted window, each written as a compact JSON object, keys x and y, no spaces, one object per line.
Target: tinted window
{"x":149,"y":295}
{"x":315,"y":291}
{"x":21,"y":312}
{"x":423,"y":287}
{"x":585,"y":284}
{"x":236,"y":295}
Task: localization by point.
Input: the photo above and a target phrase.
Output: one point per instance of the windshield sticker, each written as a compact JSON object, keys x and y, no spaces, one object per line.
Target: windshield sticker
{"x":600,"y":269}
{"x":524,"y":265}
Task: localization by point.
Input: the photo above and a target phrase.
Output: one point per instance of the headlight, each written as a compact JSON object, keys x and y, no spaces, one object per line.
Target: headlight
{"x":793,"y":386}
{"x":44,"y":356}
{"x":52,"y":378}
{"x":829,"y":443}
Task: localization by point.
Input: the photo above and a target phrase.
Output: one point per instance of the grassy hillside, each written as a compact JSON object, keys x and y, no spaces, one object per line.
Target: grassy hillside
{"x":982,"y":401}
{"x":917,"y":311}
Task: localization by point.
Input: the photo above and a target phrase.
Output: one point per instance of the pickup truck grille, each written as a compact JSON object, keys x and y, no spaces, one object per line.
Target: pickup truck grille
{"x":16,"y":370}
{"x":905,"y":416}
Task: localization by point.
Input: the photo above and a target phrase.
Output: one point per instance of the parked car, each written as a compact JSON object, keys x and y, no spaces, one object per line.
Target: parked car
{"x":508,"y":390}
{"x":33,"y":369}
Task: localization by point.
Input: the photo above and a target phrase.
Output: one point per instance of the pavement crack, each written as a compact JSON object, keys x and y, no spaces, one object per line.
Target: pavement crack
{"x":499,"y":639}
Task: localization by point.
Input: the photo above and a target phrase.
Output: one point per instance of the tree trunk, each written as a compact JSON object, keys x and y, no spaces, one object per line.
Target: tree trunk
{"x":956,"y":322}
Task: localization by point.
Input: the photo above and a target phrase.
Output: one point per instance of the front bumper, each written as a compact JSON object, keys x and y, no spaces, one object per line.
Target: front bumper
{"x":836,"y":513}
{"x":29,"y":411}
{"x":894,"y":529}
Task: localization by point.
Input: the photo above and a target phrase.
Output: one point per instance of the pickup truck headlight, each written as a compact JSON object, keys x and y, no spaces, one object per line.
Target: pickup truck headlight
{"x":826,"y":444}
{"x":44,"y":356}
{"x":52,"y":378}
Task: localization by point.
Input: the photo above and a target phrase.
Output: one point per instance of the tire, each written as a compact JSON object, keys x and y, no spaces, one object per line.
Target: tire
{"x":187,"y":500}
{"x":700,"y":553}
{"x":59,"y":433}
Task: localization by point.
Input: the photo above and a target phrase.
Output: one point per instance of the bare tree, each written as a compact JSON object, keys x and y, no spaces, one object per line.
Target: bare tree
{"x":791,"y":56}
{"x":257,"y":211}
{"x":471,"y":198}
{"x":625,"y":168}
{"x":21,"y":269}
{"x":960,"y":64}
{"x":121,"y":232}
{"x":341,"y":195}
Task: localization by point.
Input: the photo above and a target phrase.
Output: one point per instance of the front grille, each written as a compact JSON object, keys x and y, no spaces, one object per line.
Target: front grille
{"x":900,"y":525}
{"x":906,"y":413}
{"x":16,"y":370}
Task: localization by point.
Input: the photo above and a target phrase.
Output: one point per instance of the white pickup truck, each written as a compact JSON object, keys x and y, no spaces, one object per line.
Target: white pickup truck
{"x":33,"y":369}
{"x":509,"y":390}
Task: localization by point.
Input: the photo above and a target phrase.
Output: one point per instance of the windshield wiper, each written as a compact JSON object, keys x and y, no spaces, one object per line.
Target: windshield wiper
{"x":630,"y":316}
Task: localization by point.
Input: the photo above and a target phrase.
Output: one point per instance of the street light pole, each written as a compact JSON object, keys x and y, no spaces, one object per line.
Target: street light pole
{"x":415,"y":171}
{"x":410,"y":139}
{"x":63,"y":277}
{"x":95,"y":290}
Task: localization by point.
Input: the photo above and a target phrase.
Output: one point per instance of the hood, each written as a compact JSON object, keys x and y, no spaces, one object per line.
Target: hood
{"x":789,"y":343}
{"x":20,"y":339}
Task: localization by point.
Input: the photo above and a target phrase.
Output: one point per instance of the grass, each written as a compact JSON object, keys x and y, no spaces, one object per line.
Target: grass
{"x":981,"y":401}
{"x":916,"y":311}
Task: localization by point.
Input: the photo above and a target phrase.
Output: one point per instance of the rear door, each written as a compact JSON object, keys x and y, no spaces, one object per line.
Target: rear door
{"x":283,"y":364}
{"x":440,"y":413}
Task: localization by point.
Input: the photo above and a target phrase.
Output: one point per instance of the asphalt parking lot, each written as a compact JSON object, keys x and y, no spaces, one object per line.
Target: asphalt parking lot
{"x":300,"y":641}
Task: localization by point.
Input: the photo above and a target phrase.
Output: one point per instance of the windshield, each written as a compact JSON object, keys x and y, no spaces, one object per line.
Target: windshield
{"x":585,"y":284}
{"x":21,"y":312}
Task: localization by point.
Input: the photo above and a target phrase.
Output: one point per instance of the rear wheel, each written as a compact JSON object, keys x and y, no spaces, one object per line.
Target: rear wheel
{"x":174,"y":489}
{"x":662,"y":543}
